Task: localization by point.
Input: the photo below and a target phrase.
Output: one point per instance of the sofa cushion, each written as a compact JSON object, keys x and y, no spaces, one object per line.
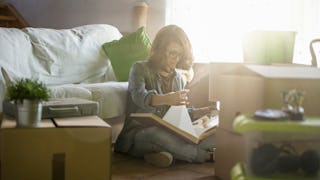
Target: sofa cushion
{"x":71,"y":55}
{"x":124,"y":52}
{"x":69,"y":90}
{"x":112,"y":97}
{"x":16,"y":51}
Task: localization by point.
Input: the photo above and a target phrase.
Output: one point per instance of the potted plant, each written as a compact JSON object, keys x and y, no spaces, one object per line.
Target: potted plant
{"x":28,"y":95}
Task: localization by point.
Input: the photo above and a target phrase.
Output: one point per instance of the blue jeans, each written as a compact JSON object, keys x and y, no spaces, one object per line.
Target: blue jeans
{"x":154,"y":139}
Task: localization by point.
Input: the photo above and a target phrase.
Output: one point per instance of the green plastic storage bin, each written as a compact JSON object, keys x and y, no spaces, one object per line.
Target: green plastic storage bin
{"x":280,"y":148}
{"x":268,"y":47}
{"x":238,"y":173}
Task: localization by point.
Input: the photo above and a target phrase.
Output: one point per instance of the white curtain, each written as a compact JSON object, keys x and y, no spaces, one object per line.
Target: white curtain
{"x":216,"y":27}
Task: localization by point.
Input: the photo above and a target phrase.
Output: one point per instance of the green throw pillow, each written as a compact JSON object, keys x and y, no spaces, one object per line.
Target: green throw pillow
{"x":127,"y":50}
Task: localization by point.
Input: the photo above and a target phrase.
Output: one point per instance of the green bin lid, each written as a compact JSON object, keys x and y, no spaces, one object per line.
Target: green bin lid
{"x":244,"y":123}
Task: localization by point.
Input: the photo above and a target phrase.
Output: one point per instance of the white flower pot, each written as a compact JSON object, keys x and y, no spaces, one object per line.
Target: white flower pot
{"x":29,"y":113}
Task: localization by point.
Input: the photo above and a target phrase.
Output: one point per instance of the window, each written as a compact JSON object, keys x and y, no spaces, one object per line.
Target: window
{"x":216,"y":27}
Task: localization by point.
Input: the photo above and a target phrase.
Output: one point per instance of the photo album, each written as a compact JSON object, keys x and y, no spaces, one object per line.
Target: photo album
{"x":178,"y":121}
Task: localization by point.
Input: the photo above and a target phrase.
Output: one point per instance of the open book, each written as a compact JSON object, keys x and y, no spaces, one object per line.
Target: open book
{"x":177,"y":120}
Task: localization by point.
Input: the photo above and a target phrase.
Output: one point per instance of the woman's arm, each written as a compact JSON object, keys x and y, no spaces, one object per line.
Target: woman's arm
{"x":137,"y":87}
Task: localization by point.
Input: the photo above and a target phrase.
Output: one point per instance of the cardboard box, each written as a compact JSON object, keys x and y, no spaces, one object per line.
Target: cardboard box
{"x":238,"y":90}
{"x":245,"y":88}
{"x":65,"y":148}
{"x":282,"y":78}
{"x":230,"y":150}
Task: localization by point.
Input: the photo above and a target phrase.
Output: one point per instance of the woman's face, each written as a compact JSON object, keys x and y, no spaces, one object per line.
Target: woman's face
{"x":172,"y":56}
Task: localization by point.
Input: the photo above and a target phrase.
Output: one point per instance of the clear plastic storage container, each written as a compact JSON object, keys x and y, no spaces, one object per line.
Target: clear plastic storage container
{"x":281,"y":148}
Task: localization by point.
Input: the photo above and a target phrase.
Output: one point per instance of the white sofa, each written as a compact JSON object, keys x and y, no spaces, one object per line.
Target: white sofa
{"x":70,"y":61}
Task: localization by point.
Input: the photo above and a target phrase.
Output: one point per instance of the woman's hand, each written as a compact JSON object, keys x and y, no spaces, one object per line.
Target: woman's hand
{"x":172,"y":98}
{"x":178,"y":98}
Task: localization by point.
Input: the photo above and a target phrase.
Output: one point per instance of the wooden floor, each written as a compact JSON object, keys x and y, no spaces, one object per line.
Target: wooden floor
{"x":125,"y":167}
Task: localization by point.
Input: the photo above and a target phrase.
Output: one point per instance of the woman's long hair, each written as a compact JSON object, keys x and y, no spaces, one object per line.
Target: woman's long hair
{"x":164,"y":37}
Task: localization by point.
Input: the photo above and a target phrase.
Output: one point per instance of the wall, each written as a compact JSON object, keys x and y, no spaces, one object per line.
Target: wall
{"x":70,"y":13}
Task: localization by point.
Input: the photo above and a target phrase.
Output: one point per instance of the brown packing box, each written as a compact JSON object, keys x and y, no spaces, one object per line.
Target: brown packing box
{"x":238,"y":89}
{"x":245,"y":88}
{"x":77,"y":148}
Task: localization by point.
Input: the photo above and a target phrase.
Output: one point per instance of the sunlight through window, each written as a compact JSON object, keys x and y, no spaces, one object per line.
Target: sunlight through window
{"x":216,"y":27}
